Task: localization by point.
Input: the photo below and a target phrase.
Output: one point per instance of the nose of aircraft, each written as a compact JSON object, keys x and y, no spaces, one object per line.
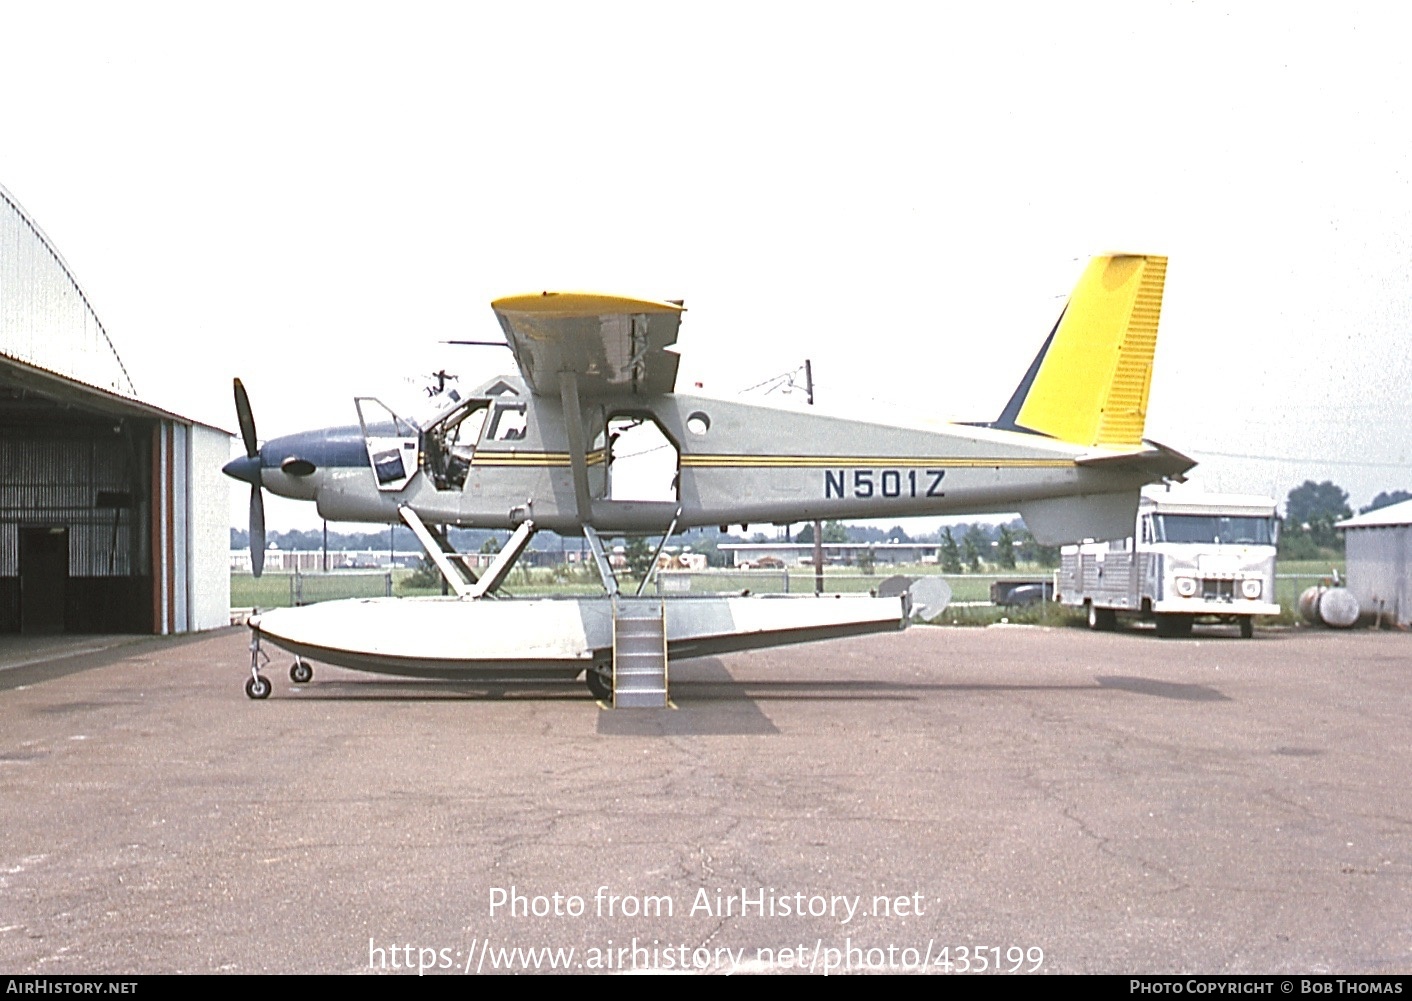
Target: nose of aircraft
{"x":246,"y":469}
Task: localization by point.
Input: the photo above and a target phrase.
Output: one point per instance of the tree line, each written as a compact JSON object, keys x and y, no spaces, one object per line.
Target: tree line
{"x":1313,"y":509}
{"x":960,"y":547}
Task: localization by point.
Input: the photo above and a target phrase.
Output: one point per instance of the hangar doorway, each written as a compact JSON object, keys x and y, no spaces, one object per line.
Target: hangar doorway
{"x":76,"y":523}
{"x":44,"y":579}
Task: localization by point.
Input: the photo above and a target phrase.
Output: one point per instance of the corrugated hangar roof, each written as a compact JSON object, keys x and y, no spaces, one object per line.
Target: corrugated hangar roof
{"x":54,"y":351}
{"x":46,"y":320}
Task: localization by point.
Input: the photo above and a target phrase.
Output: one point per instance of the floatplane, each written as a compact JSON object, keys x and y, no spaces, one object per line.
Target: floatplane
{"x":539,"y":450}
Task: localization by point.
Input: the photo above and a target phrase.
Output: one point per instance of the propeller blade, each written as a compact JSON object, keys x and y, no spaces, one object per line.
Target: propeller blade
{"x":257,"y":531}
{"x":246,"y":417}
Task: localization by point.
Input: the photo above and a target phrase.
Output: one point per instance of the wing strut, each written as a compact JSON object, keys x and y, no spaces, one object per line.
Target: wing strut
{"x":434,"y":550}
{"x":573,"y":418}
{"x":495,"y":576}
{"x":605,"y":569}
{"x":657,"y":556}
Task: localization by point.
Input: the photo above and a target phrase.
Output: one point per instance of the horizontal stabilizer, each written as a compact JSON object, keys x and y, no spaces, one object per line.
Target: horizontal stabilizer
{"x":1058,"y":521}
{"x":1153,"y":459}
{"x":1090,"y":382}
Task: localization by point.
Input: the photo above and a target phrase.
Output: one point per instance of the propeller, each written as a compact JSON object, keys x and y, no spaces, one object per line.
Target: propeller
{"x":249,"y":470}
{"x":246,"y":417}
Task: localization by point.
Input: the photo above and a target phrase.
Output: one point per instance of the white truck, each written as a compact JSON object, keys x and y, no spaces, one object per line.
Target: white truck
{"x":1192,"y":555}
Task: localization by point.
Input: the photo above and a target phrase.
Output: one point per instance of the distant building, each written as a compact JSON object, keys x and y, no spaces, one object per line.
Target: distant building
{"x":793,"y":554}
{"x":1378,"y":546}
{"x":114,"y":515}
{"x":312,"y":560}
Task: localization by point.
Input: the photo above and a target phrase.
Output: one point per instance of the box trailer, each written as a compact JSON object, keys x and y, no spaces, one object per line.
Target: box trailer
{"x":1191,"y":556}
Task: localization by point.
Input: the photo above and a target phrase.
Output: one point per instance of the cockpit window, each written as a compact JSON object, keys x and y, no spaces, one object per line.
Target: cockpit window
{"x":379,"y":421}
{"x":466,"y":432}
{"x":448,"y":448}
{"x":509,"y":423}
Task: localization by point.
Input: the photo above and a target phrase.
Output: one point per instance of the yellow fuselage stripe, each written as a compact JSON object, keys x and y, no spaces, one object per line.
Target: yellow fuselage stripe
{"x":561,"y":459}
{"x":872,"y":461}
{"x":555,"y":459}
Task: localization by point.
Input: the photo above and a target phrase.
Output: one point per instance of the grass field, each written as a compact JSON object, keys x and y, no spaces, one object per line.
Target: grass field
{"x":280,"y":590}
{"x":1293,"y":576}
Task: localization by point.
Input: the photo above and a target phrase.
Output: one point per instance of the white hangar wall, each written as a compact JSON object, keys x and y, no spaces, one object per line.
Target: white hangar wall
{"x":208,"y":535}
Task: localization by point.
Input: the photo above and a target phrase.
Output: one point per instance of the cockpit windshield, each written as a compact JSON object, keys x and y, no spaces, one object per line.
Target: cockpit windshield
{"x":379,"y":421}
{"x":1231,"y":530}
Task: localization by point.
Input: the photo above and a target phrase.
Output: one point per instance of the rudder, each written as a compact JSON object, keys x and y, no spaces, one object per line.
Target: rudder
{"x":1089,"y":385}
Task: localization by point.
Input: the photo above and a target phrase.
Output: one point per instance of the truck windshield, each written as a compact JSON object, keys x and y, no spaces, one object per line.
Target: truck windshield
{"x":1244,"y":530}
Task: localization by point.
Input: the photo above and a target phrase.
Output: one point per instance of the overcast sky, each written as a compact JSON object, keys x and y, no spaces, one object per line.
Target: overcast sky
{"x":313,"y":196}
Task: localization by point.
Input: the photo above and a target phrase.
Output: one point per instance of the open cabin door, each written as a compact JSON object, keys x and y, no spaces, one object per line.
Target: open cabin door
{"x":391,"y":441}
{"x":643,"y":462}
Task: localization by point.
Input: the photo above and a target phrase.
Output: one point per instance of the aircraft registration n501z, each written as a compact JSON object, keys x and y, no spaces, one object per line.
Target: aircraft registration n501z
{"x":541,"y":450}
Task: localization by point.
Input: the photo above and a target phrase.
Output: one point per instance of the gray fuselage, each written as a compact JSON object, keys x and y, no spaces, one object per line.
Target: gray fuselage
{"x":494,"y":460}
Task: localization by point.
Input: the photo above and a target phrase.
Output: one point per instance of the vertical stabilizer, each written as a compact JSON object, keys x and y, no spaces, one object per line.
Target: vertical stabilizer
{"x":1089,"y":384}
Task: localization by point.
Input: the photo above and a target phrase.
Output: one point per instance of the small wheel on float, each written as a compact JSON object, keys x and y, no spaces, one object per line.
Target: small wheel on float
{"x":600,"y":681}
{"x":258,"y":687}
{"x":301,"y":673}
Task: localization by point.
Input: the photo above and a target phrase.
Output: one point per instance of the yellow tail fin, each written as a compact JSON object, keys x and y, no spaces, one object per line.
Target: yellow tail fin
{"x":1090,"y":382}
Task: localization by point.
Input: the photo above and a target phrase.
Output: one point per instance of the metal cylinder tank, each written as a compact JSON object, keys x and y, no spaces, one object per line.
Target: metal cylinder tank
{"x":1334,"y":607}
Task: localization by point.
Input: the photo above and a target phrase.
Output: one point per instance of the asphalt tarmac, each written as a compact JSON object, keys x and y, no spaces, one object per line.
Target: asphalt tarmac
{"x":1017,"y":797}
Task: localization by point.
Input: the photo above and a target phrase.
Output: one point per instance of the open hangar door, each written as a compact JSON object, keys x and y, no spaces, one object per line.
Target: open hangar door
{"x":75,"y":514}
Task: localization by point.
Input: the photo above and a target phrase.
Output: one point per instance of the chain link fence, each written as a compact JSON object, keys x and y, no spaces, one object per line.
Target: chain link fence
{"x":282,"y":590}
{"x":279,"y":590}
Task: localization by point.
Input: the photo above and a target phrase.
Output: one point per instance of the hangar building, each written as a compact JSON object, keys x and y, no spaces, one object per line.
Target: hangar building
{"x":1378,"y":547}
{"x":114,"y":516}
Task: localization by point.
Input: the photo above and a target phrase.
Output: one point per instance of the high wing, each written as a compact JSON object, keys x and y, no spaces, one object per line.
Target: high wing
{"x":611,"y":343}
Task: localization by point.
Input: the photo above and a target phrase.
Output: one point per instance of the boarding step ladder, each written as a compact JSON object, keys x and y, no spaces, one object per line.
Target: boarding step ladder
{"x":639,"y":653}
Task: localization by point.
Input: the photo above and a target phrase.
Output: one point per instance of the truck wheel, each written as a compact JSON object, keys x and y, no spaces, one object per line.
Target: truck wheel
{"x":1102,"y":619}
{"x":1173,"y":626}
{"x":1247,"y":627}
